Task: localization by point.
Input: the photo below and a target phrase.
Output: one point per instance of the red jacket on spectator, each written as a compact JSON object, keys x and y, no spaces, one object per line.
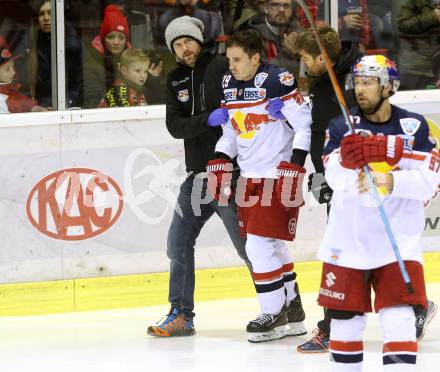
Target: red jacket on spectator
{"x":16,"y":101}
{"x":301,"y":16}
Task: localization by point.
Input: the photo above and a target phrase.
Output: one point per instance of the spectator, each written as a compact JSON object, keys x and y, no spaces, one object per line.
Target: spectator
{"x":241,"y":11}
{"x":275,"y":27}
{"x":11,"y":100}
{"x":155,"y":87}
{"x":419,"y":26}
{"x":323,"y":100}
{"x":128,"y":89}
{"x":354,"y":22}
{"x":193,"y":92}
{"x":101,"y":62}
{"x":35,"y":69}
{"x":313,"y":6}
{"x":208,"y":11}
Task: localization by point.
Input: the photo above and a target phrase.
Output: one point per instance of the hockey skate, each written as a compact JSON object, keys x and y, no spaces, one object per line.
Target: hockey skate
{"x":423,"y":318}
{"x":296,"y":316}
{"x":268,"y":327}
{"x":175,"y":324}
{"x":318,"y":344}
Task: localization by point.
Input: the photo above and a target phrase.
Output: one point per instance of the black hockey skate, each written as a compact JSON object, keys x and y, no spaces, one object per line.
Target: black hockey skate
{"x":268,"y":327}
{"x":295,"y":317}
{"x":423,"y":317}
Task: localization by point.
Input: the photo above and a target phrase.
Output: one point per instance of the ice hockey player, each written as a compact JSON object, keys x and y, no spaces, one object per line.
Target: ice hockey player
{"x":395,"y":144}
{"x":264,"y":116}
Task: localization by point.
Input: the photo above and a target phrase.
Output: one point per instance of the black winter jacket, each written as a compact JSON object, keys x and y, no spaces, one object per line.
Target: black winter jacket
{"x":192,"y":94}
{"x":43,"y":84}
{"x":324,"y":103}
{"x":271,"y":41}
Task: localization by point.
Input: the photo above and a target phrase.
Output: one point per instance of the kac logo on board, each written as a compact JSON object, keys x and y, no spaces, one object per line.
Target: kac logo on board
{"x":74,"y":204}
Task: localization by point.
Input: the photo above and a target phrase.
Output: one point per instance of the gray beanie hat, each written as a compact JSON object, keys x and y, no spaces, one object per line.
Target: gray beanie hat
{"x":184,"y":26}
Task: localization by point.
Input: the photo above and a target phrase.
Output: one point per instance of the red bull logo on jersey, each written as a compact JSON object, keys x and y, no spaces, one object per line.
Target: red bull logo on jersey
{"x":286,"y":78}
{"x":245,"y":125}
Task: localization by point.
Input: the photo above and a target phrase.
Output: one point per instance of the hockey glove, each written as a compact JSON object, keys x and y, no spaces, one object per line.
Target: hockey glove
{"x":288,"y":186}
{"x":218,"y":117}
{"x":319,"y":188}
{"x":357,"y":151}
{"x":274,"y":108}
{"x":219,"y":179}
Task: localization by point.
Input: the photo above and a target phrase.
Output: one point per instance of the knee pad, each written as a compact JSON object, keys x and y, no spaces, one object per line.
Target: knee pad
{"x":350,"y":329}
{"x":282,"y":252}
{"x":398,"y":323}
{"x":259,"y":248}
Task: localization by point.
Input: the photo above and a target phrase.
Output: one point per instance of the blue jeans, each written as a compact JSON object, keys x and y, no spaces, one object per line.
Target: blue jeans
{"x":182,"y":236}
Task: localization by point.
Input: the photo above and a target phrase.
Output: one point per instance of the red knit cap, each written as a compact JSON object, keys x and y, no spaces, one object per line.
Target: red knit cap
{"x":114,"y":20}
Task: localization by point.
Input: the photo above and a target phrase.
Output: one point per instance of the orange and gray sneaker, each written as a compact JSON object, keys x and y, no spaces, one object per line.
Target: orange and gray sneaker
{"x":174,"y":325}
{"x":318,"y":344}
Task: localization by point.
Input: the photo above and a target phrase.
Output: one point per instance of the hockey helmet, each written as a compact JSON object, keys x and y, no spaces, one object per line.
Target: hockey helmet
{"x":375,"y":66}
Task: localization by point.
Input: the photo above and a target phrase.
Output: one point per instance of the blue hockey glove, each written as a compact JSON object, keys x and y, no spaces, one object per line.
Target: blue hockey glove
{"x":274,"y":108}
{"x":218,"y":117}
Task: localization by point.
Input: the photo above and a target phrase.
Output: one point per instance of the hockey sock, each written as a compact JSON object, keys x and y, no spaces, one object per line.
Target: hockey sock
{"x":399,"y":334}
{"x":289,"y":277}
{"x":267,"y":273}
{"x":346,"y":346}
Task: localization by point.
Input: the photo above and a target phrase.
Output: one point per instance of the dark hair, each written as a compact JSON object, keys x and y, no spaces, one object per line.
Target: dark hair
{"x":249,"y":40}
{"x":36,"y":6}
{"x":329,"y":38}
{"x":32,"y":62}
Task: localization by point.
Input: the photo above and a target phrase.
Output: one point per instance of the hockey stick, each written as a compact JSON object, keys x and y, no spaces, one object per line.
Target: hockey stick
{"x":350,"y":124}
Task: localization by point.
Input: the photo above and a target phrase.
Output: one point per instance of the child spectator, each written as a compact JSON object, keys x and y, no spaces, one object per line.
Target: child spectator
{"x":11,"y":100}
{"x":128,"y":88}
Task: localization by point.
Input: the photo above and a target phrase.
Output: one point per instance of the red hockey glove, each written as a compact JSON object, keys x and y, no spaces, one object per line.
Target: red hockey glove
{"x":357,"y":151}
{"x":288,"y":187}
{"x":219,"y":179}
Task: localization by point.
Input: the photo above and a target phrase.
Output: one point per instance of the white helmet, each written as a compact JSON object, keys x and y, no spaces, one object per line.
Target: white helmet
{"x":377,"y":66}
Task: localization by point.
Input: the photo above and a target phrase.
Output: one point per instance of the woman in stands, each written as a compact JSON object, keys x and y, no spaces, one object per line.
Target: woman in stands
{"x":102,"y":57}
{"x":34,"y":70}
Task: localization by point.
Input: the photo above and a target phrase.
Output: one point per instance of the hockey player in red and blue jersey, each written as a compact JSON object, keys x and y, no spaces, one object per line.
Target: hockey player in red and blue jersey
{"x":397,"y":147}
{"x":266,"y":126}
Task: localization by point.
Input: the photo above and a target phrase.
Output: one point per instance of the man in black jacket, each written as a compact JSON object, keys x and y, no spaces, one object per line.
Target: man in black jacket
{"x":323,"y":100}
{"x":193,"y":92}
{"x":325,"y":106}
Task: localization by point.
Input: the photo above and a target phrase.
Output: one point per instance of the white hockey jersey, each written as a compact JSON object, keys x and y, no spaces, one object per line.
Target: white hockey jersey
{"x":259,"y":141}
{"x":355,"y":235}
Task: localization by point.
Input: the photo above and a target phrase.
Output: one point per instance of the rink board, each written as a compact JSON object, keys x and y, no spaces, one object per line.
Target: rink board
{"x":90,"y":194}
{"x":151,"y":289}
